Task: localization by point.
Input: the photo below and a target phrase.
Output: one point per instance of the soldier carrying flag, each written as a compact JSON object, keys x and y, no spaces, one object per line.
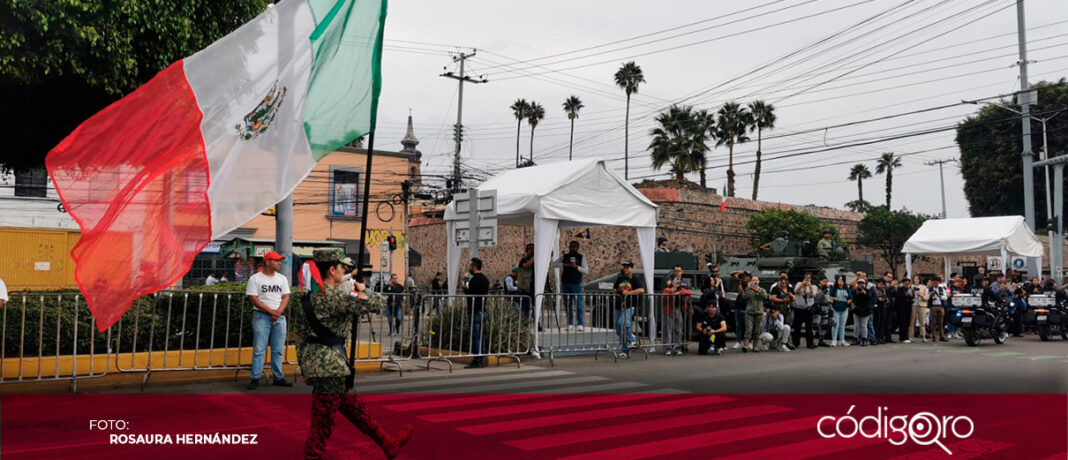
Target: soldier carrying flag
{"x":327,"y":313}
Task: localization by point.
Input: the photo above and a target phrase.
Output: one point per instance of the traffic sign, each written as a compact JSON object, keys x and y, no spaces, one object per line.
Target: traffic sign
{"x":383,"y":249}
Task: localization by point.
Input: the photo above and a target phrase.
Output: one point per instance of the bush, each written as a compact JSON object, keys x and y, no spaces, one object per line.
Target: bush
{"x":504,"y":329}
{"x":166,"y":320}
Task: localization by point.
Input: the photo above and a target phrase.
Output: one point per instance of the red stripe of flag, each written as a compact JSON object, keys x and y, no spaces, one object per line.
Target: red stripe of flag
{"x":135,"y":178}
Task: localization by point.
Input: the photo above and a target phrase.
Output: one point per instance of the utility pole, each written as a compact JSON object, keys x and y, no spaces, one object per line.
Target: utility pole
{"x":1024,"y":98}
{"x":942,"y":179}
{"x":1056,"y":243}
{"x":461,"y":78}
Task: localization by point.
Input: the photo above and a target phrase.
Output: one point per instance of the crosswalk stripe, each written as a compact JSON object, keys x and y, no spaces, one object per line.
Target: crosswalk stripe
{"x":1042,"y":357}
{"x":685,"y":443}
{"x":460,"y":401}
{"x":669,"y":391}
{"x":446,"y":381}
{"x":1003,"y":354}
{"x":645,"y":426}
{"x":809,"y":449}
{"x":553,"y":420}
{"x":420,"y":372}
{"x":533,"y":407}
{"x":593,"y":389}
{"x":518,"y":387}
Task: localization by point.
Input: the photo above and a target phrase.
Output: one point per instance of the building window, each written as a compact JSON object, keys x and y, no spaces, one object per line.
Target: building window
{"x":344,"y":192}
{"x":31,"y":183}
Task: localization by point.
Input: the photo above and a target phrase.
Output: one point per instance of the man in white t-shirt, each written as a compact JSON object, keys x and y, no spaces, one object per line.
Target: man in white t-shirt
{"x":211,"y":280}
{"x":3,"y":294}
{"x":268,"y":292}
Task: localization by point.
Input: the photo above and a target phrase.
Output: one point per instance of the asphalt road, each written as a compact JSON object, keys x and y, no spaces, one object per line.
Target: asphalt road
{"x":1021,"y":365}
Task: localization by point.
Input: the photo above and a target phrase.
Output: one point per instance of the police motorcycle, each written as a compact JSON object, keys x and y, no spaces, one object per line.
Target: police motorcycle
{"x":1048,"y":316}
{"x":981,"y":320}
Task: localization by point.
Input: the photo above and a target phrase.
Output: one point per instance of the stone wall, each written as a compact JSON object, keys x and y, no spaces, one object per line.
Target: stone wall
{"x":690,"y":218}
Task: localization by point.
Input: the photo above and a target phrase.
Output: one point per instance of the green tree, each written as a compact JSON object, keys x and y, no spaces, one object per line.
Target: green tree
{"x":858,"y":206}
{"x":572,"y":106}
{"x":732,"y":122}
{"x":858,"y":173}
{"x":535,"y":113}
{"x":628,"y":77}
{"x":766,"y":225}
{"x":886,"y":165}
{"x":63,"y":61}
{"x":886,"y":231}
{"x":990,"y":146}
{"x":519,"y":109}
{"x":763,"y":115}
{"x":681,"y":140}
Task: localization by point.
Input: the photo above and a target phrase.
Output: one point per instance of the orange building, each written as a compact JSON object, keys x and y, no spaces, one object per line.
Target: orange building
{"x":326,"y":213}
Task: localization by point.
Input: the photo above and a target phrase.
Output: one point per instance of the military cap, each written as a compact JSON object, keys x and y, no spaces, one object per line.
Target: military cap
{"x":332,"y":255}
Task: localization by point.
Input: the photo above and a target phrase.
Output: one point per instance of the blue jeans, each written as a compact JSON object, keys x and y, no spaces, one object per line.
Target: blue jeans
{"x":477,"y":347}
{"x":838,"y":331}
{"x":950,"y":313}
{"x":871,"y":328}
{"x":264,"y":333}
{"x":739,"y":324}
{"x":396,"y":316}
{"x":569,"y":302}
{"x":623,"y":318}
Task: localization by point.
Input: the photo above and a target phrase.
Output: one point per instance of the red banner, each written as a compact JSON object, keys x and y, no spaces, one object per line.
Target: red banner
{"x":531,"y":426}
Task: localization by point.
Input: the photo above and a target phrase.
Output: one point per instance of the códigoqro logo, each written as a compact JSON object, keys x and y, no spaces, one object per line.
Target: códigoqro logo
{"x":922,"y":428}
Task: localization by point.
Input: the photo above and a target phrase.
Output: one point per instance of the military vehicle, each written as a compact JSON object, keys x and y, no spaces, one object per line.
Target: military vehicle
{"x":796,"y":260}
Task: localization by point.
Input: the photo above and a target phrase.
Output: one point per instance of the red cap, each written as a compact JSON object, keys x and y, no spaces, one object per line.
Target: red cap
{"x":273,"y":256}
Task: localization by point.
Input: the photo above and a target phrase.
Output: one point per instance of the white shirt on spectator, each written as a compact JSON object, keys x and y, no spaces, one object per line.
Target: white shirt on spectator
{"x":211,"y":281}
{"x":269,"y":289}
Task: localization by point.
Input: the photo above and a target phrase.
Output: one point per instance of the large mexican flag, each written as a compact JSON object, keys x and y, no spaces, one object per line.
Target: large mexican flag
{"x":212,"y":141}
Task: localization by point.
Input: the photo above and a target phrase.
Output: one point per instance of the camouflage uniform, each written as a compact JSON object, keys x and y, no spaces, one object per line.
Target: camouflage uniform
{"x":326,"y":370}
{"x":323,"y":367}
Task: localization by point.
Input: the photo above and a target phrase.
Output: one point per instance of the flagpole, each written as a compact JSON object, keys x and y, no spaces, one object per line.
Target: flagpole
{"x":362,"y":251}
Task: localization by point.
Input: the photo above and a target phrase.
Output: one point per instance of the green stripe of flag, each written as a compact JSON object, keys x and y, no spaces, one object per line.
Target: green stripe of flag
{"x":346,"y":74}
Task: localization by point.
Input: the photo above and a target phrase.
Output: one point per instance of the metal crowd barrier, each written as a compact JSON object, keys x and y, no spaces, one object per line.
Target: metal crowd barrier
{"x":561,"y":318}
{"x":445,"y":328}
{"x":53,"y":330}
{"x":675,"y":319}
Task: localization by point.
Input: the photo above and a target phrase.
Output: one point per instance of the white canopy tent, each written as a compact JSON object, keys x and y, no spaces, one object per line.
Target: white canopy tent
{"x":986,"y":236}
{"x":553,"y":196}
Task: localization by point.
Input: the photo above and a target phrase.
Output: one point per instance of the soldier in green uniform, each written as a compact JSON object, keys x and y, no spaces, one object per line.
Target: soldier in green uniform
{"x":321,"y":327}
{"x":825,"y":247}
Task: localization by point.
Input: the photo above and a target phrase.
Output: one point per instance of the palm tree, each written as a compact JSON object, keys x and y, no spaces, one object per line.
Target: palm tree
{"x":681,"y":140}
{"x":535,"y":113}
{"x":628,"y":77}
{"x":859,"y":173}
{"x":886,"y":164}
{"x":519,"y":109}
{"x":572,"y":106}
{"x":731,"y":124}
{"x":763,"y":118}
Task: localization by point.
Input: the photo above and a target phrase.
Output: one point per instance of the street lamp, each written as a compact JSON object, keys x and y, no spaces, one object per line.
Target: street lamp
{"x":1044,"y":156}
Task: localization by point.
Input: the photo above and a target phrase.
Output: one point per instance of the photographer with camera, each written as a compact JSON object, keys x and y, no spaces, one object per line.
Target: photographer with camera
{"x":676,"y":306}
{"x":711,"y":326}
{"x":805,"y":294}
{"x":783,"y":299}
{"x":754,"y":296}
{"x":821,"y":311}
{"x":741,"y":281}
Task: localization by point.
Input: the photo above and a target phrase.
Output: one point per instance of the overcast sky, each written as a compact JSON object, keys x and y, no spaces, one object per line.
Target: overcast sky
{"x":831,"y":62}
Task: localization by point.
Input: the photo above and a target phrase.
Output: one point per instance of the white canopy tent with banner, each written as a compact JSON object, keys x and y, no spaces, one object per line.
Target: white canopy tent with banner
{"x":1003,"y":236}
{"x":554,"y":196}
